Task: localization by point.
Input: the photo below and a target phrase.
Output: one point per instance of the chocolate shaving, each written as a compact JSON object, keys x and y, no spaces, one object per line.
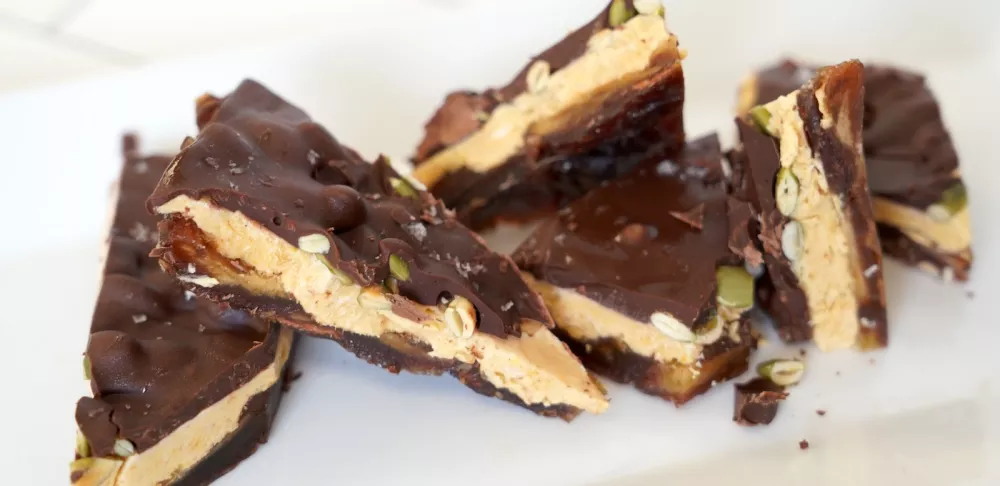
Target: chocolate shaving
{"x":692,"y":216}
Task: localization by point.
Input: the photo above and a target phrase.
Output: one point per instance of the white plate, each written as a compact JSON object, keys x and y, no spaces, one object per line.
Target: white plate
{"x":924,"y":411}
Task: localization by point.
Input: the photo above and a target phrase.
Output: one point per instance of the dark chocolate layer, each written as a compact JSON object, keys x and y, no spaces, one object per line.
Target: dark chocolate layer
{"x":757,"y":401}
{"x":632,"y":119}
{"x":253,"y":430}
{"x":896,"y":244}
{"x":648,"y":242}
{"x":678,"y":383}
{"x":158,"y":356}
{"x":909,"y":154}
{"x":464,"y":112}
{"x":265,"y":158}
{"x":638,"y":123}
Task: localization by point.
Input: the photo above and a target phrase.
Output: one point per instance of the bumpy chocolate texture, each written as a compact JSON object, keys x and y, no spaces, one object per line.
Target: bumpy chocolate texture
{"x":919,"y":199}
{"x":585,"y":110}
{"x":267,"y":211}
{"x":757,"y":402}
{"x":158,"y":357}
{"x":631,"y":271}
{"x":801,"y":167}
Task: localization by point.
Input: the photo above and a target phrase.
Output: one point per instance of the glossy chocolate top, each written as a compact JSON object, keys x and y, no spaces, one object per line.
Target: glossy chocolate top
{"x":265,"y":158}
{"x":647,"y":242}
{"x":908,"y":151}
{"x":464,"y":112}
{"x":157,"y":354}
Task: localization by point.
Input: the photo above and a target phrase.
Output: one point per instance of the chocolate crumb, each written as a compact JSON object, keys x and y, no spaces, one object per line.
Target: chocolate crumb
{"x":803,"y":444}
{"x":757,"y":402}
{"x":802,"y":352}
{"x":821,"y":412}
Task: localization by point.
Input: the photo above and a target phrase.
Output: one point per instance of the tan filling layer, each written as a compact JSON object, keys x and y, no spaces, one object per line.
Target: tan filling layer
{"x":610,"y":55}
{"x":186,"y":446}
{"x":586,"y":320}
{"x":826,"y":265}
{"x":951,"y":236}
{"x":536,"y":367}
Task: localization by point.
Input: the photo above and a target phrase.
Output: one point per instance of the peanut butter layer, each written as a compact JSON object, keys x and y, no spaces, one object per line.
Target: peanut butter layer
{"x":645,"y":270}
{"x":913,"y":171}
{"x":183,"y":389}
{"x":587,"y":109}
{"x":805,"y":176}
{"x":287,"y":223}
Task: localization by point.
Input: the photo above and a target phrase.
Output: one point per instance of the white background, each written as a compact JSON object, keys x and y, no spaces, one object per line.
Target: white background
{"x":923,"y":412}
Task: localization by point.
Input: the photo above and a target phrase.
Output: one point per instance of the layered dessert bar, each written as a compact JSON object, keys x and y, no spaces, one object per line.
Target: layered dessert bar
{"x":801,"y":167}
{"x":917,"y":192}
{"x":585,"y":110}
{"x":183,"y":389}
{"x":266,"y":211}
{"x":644,"y":276}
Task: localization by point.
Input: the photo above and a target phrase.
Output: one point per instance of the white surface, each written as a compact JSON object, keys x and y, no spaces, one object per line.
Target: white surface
{"x":923,"y":411}
{"x":40,"y":11}
{"x":27,"y":57}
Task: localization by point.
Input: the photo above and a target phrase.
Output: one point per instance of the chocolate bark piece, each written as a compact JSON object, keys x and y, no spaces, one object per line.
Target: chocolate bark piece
{"x":802,"y":169}
{"x":919,"y":199}
{"x":757,"y":401}
{"x":640,"y":279}
{"x":183,"y":388}
{"x":586,"y":110}
{"x":265,"y":210}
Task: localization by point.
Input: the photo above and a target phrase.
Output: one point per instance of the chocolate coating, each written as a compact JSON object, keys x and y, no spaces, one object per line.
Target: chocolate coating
{"x":722,"y":361}
{"x":757,"y":402}
{"x":464,"y":112}
{"x":158,"y":355}
{"x":270,"y":162}
{"x":908,"y":152}
{"x":621,"y":246}
{"x":637,"y":118}
{"x":898,"y":245}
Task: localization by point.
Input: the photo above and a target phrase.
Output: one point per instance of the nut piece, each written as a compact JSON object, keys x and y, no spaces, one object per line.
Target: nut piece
{"x":761,"y":117}
{"x":619,"y":13}
{"x":537,"y":76}
{"x":94,"y":470}
{"x":338,"y":274}
{"x":791,"y":240}
{"x":398,"y":267}
{"x":711,"y":331}
{"x":784,"y":372}
{"x":734,"y":287}
{"x":314,"y":243}
{"x":372,"y":299}
{"x":87,"y":373}
{"x":124,"y":448}
{"x":786,"y":191}
{"x":673,"y":328}
{"x":82,"y":446}
{"x":649,"y":7}
{"x":460,"y":317}
{"x":953,"y":200}
{"x":402,"y":187}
